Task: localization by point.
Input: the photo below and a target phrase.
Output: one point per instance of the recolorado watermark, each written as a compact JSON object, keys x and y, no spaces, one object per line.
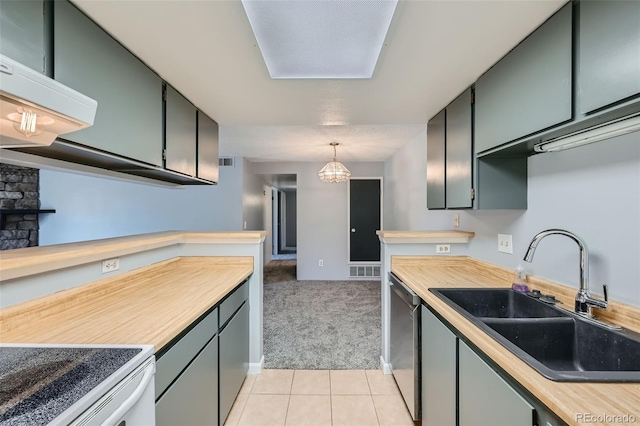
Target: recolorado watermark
{"x":606,"y":418}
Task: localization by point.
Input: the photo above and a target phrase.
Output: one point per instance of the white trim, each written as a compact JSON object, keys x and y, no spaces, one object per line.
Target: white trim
{"x":381,"y":179}
{"x":256,"y":367}
{"x":274,"y":222}
{"x":385,"y":366}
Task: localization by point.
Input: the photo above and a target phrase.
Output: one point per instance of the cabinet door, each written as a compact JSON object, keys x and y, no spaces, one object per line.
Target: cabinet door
{"x":192,"y":400}
{"x":207,"y":148}
{"x":438,"y":372}
{"x":436,"y":161}
{"x":484,"y":398}
{"x":180,"y":133}
{"x":22,"y":32}
{"x":129,"y":117}
{"x":234,"y":359}
{"x":459,"y":152}
{"x":609,"y":53}
{"x":529,"y":89}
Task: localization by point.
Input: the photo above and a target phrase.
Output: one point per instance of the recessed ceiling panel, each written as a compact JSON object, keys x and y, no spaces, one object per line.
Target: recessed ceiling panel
{"x":310,"y":39}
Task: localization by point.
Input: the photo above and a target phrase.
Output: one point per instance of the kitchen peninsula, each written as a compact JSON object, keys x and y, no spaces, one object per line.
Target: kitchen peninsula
{"x":154,"y":270}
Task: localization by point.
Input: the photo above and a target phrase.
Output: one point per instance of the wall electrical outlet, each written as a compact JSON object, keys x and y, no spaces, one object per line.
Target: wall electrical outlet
{"x":320,"y":262}
{"x":505,"y":243}
{"x":110,"y":265}
{"x":443,"y":248}
{"x":245,"y":224}
{"x":456,"y":220}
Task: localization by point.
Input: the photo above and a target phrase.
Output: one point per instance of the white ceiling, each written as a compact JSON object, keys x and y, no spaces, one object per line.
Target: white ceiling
{"x":206,"y":49}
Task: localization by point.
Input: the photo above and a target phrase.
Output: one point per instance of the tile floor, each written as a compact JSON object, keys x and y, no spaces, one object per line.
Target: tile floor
{"x":319,"y":397}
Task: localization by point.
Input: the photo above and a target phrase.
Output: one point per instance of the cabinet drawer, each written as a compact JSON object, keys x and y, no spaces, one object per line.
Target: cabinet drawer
{"x":233,"y":302}
{"x":172,"y":362}
{"x":193,"y":399}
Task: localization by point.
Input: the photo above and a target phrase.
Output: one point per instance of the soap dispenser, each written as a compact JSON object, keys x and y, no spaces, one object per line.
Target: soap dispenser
{"x":518,"y":280}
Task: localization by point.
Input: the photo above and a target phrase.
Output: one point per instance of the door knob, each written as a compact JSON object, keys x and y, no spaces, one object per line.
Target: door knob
{"x":353,"y":229}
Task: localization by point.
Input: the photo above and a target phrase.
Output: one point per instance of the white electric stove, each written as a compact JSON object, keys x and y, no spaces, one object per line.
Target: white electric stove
{"x":45,"y":384}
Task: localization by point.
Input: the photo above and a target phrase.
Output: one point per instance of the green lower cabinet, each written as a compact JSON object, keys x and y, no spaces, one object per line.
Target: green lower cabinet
{"x":438,"y":372}
{"x":485,"y":399}
{"x":192,"y":400}
{"x":234,"y":357}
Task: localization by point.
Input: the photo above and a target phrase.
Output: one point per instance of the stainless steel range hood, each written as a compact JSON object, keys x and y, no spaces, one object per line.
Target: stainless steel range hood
{"x":35,"y":109}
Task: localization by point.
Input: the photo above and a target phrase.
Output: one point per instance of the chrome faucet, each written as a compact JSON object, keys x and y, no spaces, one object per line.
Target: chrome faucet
{"x":584,"y":300}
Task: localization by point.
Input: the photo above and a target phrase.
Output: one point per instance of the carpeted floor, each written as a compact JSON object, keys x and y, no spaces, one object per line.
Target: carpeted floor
{"x":319,"y":325}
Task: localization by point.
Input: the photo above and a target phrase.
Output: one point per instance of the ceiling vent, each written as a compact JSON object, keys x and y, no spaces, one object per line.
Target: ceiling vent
{"x":225,"y":161}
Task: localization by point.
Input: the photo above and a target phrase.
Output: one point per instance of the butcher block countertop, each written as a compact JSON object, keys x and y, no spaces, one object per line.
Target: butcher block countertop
{"x":150,"y":305}
{"x":567,"y":400}
{"x":33,"y":260}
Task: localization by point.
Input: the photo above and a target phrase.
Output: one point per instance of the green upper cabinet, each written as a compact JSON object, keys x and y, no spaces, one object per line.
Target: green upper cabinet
{"x":22,"y":32}
{"x":207,"y":148}
{"x":129,"y":117}
{"x":608,"y":53}
{"x":459,"y":153}
{"x":436,"y":161}
{"x":180,"y":136}
{"x":450,"y":155}
{"x":530,"y":88}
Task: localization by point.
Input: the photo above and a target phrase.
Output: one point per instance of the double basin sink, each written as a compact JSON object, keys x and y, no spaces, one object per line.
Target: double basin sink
{"x":560,"y":345}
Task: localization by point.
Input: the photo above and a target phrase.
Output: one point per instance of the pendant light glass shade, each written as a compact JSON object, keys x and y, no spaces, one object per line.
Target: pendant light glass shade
{"x":334,"y":171}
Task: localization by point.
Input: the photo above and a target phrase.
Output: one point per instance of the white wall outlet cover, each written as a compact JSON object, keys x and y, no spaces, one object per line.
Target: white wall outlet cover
{"x":505,"y":243}
{"x":456,"y":220}
{"x":110,"y":265}
{"x":443,"y":248}
{"x":320,"y":262}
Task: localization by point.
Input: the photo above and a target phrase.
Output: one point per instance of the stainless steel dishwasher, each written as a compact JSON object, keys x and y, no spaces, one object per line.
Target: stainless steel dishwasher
{"x":405,"y":343}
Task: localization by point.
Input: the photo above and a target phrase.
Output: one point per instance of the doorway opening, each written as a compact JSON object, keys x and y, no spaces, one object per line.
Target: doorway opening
{"x":284,"y":226}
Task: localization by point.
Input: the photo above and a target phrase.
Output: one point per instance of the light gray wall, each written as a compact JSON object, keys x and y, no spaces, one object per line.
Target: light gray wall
{"x":253,"y":198}
{"x":89,"y":208}
{"x":593,"y":191}
{"x":322,"y":217}
{"x":290,"y":217}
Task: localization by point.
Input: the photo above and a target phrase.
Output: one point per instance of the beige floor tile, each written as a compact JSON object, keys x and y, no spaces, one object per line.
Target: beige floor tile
{"x":353,"y":410}
{"x":248,"y":383}
{"x":349,"y":382}
{"x":273,"y":382}
{"x":391,"y":410}
{"x":311,"y":382}
{"x":381,"y":384}
{"x":309,"y":410}
{"x":264,"y":410}
{"x":236,"y":411}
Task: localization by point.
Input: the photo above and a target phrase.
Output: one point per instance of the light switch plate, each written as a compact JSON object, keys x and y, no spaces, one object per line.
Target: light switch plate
{"x":505,"y":243}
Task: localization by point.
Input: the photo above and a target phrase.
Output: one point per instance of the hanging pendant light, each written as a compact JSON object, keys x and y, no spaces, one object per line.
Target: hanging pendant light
{"x":334,"y":171}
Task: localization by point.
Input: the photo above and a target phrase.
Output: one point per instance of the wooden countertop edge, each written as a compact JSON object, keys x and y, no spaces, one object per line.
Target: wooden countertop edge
{"x":563,"y":398}
{"x":422,"y":237}
{"x":34,"y":260}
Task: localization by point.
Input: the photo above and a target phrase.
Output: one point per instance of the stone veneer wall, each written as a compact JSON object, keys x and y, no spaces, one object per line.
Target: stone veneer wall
{"x":19,"y":189}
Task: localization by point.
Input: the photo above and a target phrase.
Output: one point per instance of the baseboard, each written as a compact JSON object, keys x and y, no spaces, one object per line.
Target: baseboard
{"x":384,"y":366}
{"x":256,"y":367}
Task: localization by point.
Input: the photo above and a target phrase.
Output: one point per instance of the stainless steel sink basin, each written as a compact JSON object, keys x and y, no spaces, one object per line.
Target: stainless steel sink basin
{"x":557,"y":343}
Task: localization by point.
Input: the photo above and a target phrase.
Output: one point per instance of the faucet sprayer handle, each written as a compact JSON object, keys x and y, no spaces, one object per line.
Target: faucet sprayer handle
{"x":605,"y":289}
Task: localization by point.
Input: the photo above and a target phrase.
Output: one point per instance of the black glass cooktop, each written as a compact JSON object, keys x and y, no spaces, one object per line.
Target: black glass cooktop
{"x":38,"y":383}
